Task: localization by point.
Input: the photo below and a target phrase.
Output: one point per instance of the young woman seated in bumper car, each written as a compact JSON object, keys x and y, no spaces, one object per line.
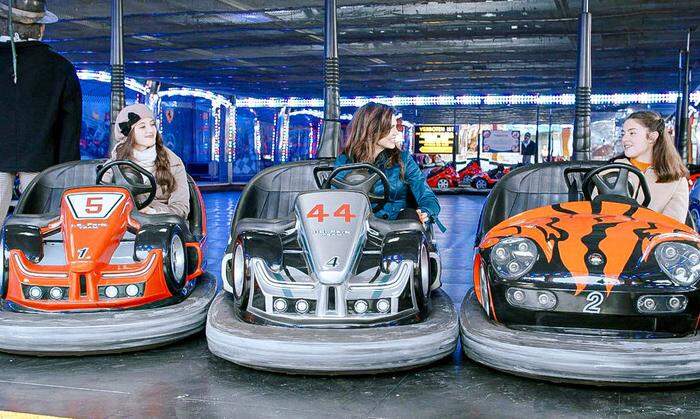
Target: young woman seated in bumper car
{"x":318,"y":284}
{"x":88,"y":265}
{"x":599,"y":290}
{"x":372,"y":139}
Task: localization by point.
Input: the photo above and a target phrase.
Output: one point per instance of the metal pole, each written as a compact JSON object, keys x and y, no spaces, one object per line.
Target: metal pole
{"x":330,"y":136}
{"x":455,"y":135}
{"x":537,"y":135}
{"x":549,"y":138}
{"x":231,"y":122}
{"x":117,"y":63}
{"x":682,"y":104}
{"x":582,"y":123}
{"x":478,"y":140}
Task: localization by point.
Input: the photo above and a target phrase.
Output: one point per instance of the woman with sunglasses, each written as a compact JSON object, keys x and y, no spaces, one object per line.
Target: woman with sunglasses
{"x":374,"y":136}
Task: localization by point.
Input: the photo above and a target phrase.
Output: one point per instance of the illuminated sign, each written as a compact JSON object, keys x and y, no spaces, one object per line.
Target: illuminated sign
{"x":434,"y":139}
{"x":495,"y":141}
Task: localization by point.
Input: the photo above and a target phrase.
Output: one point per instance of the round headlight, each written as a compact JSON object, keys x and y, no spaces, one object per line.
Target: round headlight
{"x":513,"y":257}
{"x":111,"y":291}
{"x":35,"y":293}
{"x":679,"y":261}
{"x":360,"y":306}
{"x":383,"y":305}
{"x":56,"y":293}
{"x":132,"y":290}
{"x":280,"y":305}
{"x":302,"y":306}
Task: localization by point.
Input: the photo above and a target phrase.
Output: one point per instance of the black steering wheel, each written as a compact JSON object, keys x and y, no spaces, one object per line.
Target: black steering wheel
{"x":609,"y":184}
{"x":130,"y":175}
{"x":361,"y":181}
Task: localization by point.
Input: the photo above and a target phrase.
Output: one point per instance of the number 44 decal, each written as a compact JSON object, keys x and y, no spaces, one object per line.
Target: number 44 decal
{"x":343,"y":212}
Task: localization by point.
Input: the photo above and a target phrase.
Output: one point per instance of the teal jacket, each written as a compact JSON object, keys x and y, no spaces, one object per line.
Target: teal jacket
{"x":413,"y":179}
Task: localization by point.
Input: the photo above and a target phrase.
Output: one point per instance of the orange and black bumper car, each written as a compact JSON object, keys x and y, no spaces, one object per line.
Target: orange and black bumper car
{"x":84,"y":272}
{"x":574,"y":280}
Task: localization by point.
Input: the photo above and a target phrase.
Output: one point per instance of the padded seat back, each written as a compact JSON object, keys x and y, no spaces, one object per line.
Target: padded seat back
{"x":271,"y":193}
{"x":43,"y":195}
{"x":530,"y":187}
{"x":196,"y":216}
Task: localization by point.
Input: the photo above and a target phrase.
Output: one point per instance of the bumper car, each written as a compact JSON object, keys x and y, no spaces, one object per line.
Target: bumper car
{"x":472,"y":175}
{"x":317,"y":285}
{"x":575,"y":281}
{"x":84,"y":272}
{"x":443,"y":177}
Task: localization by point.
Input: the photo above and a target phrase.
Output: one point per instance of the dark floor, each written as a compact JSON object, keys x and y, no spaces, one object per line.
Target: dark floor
{"x":185,"y":380}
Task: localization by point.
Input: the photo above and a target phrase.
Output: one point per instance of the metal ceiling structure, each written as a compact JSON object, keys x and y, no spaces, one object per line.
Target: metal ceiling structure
{"x":386,"y":47}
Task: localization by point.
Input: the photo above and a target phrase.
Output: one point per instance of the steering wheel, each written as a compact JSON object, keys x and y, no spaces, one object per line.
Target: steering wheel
{"x":126,"y":174}
{"x":595,"y":179}
{"x":358,"y":180}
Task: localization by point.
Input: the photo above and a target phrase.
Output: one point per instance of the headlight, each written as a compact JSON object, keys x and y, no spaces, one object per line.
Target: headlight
{"x":681,"y":262}
{"x":513,"y":257}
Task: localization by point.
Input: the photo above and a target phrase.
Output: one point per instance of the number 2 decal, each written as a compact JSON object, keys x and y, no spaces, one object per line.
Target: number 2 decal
{"x":595,"y":299}
{"x":343,"y":212}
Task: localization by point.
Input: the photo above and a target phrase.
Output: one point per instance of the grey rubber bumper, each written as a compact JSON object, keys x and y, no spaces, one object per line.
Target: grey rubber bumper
{"x":332,"y":351}
{"x":58,"y":334}
{"x":562,"y":357}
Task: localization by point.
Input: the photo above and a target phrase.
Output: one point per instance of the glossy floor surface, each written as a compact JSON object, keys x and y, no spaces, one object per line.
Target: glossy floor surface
{"x":186,"y":380}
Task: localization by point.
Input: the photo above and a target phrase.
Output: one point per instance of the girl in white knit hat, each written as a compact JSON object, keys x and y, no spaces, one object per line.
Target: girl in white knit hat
{"x":139,"y":141}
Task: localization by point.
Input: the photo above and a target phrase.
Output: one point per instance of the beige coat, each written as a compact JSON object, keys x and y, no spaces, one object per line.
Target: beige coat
{"x":670,"y":198}
{"x":177,"y":202}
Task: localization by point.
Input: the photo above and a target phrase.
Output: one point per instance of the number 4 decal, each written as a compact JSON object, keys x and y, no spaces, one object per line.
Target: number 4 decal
{"x":343,"y":212}
{"x":317,"y":212}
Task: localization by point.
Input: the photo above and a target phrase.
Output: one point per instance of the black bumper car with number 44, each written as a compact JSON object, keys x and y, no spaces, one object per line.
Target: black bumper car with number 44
{"x":317,"y":285}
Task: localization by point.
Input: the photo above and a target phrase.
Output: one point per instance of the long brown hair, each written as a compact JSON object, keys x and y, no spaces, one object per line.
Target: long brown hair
{"x":164,"y":178}
{"x":666,"y":161}
{"x":370,"y":123}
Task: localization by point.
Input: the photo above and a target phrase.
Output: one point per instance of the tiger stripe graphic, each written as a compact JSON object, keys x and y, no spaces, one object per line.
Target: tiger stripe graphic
{"x":569,"y":234}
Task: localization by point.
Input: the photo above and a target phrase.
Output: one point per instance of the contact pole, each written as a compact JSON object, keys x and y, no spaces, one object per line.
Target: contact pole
{"x":117,"y":66}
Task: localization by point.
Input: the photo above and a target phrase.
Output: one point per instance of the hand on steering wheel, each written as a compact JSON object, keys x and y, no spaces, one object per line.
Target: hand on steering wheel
{"x":596,"y":179}
{"x":134,"y":184}
{"x":361,"y":181}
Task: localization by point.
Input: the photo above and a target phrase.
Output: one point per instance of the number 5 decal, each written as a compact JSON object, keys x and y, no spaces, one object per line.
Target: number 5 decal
{"x":93,"y":205}
{"x":595,"y":299}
